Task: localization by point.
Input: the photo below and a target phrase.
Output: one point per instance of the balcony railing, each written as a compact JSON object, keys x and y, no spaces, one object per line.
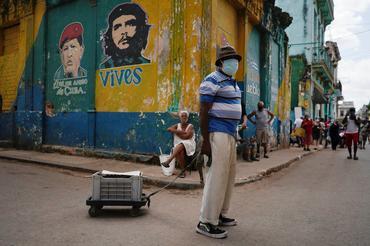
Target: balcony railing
{"x":321,"y":60}
{"x":327,"y":10}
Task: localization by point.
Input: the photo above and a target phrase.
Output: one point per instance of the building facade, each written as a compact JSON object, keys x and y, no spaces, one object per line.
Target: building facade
{"x":334,"y":94}
{"x":313,"y":70}
{"x":363,"y":112}
{"x":343,"y":109}
{"x":112,"y":74}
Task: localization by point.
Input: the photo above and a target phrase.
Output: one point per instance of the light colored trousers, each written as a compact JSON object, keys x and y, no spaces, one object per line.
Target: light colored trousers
{"x":219,"y":180}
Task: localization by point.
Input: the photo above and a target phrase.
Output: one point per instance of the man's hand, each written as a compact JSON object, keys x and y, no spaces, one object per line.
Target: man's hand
{"x":203,"y":115}
{"x":244,"y":125}
{"x":206,"y":148}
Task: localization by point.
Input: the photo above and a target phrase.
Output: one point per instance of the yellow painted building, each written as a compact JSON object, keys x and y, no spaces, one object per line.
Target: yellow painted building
{"x":117,"y":92}
{"x":18,"y":29}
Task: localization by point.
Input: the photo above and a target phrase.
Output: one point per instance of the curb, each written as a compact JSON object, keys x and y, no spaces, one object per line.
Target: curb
{"x":269,"y":171}
{"x":86,"y":152}
{"x":147,"y":180}
{"x":49,"y":164}
{"x":159,"y":182}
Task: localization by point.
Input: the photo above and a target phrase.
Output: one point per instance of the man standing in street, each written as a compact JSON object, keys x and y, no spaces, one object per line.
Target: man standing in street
{"x":220,"y":112}
{"x":261,"y":122}
{"x":352,"y":126}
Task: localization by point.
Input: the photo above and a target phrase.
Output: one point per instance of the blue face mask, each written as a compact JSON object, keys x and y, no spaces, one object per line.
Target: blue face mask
{"x":230,"y":66}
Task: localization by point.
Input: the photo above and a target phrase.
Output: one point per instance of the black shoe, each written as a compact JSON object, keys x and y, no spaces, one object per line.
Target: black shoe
{"x":265,"y":156}
{"x":349,"y":157}
{"x":210,"y":230}
{"x":355,"y":158}
{"x":224,"y":221}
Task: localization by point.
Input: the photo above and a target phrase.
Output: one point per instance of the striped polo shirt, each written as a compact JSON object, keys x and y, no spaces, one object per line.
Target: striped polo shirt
{"x":225,"y":95}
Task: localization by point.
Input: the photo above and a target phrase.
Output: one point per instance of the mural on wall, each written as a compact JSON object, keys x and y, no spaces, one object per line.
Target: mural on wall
{"x":284,"y":101}
{"x":127,"y":78}
{"x":274,"y":86}
{"x":71,"y":49}
{"x":253,"y":79}
{"x":126,"y":36}
{"x":70,"y":79}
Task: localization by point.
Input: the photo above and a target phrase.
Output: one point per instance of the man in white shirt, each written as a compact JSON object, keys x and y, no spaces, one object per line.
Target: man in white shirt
{"x":299,"y":131}
{"x":298,"y":122}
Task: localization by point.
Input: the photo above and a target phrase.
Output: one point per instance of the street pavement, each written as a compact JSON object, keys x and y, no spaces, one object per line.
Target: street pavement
{"x":246,"y":172}
{"x":322,"y":199}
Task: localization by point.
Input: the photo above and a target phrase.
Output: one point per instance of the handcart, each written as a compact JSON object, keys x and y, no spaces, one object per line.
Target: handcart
{"x":116,"y":189}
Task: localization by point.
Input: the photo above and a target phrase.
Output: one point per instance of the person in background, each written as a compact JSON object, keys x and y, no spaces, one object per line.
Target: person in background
{"x":351,"y":134}
{"x":364,"y":132}
{"x":183,"y":142}
{"x":334,"y":134}
{"x":316,"y":131}
{"x":307,"y":125}
{"x":261,"y":122}
{"x":326,"y":128}
{"x":322,"y":131}
{"x":299,"y":131}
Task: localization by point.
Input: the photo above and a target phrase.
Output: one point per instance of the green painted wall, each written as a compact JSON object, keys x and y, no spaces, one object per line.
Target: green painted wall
{"x":297,"y":71}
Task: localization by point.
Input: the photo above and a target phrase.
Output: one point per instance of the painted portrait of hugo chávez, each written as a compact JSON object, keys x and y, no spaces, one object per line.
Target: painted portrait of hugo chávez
{"x":71,"y":49}
{"x":126,"y":36}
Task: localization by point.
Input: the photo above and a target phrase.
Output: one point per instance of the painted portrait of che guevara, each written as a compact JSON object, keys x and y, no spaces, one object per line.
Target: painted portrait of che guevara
{"x":71,"y":49}
{"x":126,"y":36}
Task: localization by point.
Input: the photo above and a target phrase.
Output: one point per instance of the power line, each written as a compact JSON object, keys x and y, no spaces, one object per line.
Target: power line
{"x":352,"y":34}
{"x":349,"y":24}
{"x":357,"y":56}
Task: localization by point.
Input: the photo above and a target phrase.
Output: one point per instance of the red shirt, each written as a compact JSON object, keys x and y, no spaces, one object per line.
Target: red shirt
{"x":307,"y":126}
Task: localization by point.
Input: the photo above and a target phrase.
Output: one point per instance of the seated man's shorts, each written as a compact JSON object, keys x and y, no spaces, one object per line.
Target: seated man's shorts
{"x":262,"y":136}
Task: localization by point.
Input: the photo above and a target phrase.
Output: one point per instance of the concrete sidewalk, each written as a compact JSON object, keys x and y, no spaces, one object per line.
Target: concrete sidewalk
{"x":246,"y":172}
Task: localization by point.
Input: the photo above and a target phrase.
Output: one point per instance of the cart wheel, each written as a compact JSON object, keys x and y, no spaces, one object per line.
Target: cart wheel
{"x":93,"y":211}
{"x":135,"y":211}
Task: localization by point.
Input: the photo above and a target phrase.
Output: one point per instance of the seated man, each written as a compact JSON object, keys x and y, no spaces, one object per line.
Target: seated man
{"x":249,"y":149}
{"x":184,"y":142}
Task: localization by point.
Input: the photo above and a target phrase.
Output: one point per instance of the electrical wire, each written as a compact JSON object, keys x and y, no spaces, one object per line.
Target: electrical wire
{"x":353,"y":57}
{"x":352,"y":34}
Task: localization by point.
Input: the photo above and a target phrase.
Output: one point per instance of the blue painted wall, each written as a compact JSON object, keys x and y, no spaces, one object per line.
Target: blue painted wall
{"x":6,"y":126}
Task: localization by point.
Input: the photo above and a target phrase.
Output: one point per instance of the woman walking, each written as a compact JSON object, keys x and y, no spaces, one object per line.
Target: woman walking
{"x":334,"y":134}
{"x":316,"y":132}
{"x":307,"y":125}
